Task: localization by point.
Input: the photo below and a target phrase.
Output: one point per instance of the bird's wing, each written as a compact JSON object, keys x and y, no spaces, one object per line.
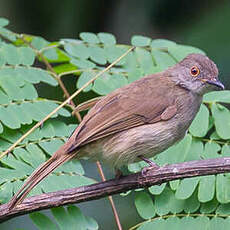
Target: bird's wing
{"x":136,"y":104}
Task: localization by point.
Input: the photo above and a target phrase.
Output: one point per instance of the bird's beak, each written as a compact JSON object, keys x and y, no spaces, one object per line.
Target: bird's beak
{"x":216,"y":83}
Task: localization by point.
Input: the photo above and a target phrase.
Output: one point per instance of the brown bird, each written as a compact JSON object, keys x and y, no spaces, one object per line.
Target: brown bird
{"x":137,"y":121}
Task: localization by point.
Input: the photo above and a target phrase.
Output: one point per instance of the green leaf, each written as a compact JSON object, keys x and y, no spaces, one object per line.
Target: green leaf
{"x":191,"y":204}
{"x":77,"y":50}
{"x":199,"y":126}
{"x":107,"y":38}
{"x":176,"y":153}
{"x":145,"y":61}
{"x":136,"y":167}
{"x":35,"y":75}
{"x":223,"y":209}
{"x":62,"y":68}
{"x":186,"y":188}
{"x":114,"y":52}
{"x":225,"y":151}
{"x":35,"y":156}
{"x":17,"y":164}
{"x":218,"y":223}
{"x":73,"y":218}
{"x":4,"y":22}
{"x":162,"y":59}
{"x":64,"y":221}
{"x":59,"y":181}
{"x":157,"y":189}
{"x":214,"y":136}
{"x":217,"y":96}
{"x":51,"y":146}
{"x":134,"y":75}
{"x":181,"y":51}
{"x":9,"y":119}
{"x":10,"y":135}
{"x":97,"y":55}
{"x":139,"y":40}
{"x":166,"y":202}
{"x":107,"y":83}
{"x":77,"y":217}
{"x":130,"y":64}
{"x":206,"y":188}
{"x":162,"y":43}
{"x":29,"y":92}
{"x":209,"y":207}
{"x":174,"y":184}
{"x":6,"y":192}
{"x":222,"y":189}
{"x":89,"y":37}
{"x":83,"y":79}
{"x":33,"y":111}
{"x":83,"y":64}
{"x":42,"y":221}
{"x":11,"y":54}
{"x":51,"y":54}
{"x":211,"y":150}
{"x":144,"y":205}
{"x":8,"y":34}
{"x":39,"y":43}
{"x":220,"y":114}
{"x":4,"y":99}
{"x":156,"y":224}
{"x":12,"y":88}
{"x":27,"y":55}
{"x":195,"y":151}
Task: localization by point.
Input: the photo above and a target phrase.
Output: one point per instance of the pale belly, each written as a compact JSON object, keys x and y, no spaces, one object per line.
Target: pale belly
{"x":125,"y":147}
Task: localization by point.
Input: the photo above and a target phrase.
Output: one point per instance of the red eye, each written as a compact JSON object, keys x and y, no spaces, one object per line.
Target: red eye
{"x":194,"y":71}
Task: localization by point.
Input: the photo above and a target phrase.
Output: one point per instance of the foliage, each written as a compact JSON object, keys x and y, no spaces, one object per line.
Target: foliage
{"x":69,"y":218}
{"x":197,"y":200}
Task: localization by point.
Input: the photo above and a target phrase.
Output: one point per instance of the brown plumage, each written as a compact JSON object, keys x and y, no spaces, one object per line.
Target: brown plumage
{"x":142,"y":118}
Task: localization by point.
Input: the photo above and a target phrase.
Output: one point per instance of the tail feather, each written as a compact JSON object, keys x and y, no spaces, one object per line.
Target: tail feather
{"x":39,"y":174}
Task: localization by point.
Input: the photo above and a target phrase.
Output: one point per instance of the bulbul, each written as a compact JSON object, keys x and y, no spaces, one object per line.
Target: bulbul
{"x":137,"y":121}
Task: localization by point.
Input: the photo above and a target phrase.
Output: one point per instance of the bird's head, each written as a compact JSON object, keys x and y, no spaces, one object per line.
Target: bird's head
{"x":197,"y":73}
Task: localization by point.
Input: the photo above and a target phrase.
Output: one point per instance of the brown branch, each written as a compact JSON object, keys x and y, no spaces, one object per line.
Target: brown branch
{"x":138,"y":180}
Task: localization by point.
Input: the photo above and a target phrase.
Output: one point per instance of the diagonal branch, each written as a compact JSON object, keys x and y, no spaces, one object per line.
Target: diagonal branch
{"x":138,"y":180}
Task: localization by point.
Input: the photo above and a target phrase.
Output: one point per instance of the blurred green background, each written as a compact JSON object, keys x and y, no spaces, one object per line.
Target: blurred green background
{"x":203,"y":24}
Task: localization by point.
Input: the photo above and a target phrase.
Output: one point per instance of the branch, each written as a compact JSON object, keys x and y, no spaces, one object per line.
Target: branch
{"x":152,"y":176}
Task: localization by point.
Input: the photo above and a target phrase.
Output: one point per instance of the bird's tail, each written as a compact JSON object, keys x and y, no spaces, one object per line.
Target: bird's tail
{"x":39,"y":174}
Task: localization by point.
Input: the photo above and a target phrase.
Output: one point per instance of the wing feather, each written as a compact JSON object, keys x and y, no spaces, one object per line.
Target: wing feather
{"x":137,"y":104}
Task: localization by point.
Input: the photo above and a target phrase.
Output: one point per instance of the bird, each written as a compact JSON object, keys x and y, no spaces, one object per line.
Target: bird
{"x":137,"y":121}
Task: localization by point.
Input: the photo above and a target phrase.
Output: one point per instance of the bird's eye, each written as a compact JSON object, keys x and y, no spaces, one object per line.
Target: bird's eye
{"x":194,"y":71}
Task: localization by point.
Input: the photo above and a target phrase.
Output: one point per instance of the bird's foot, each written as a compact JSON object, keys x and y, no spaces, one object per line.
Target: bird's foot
{"x":118,"y":174}
{"x":152,"y":165}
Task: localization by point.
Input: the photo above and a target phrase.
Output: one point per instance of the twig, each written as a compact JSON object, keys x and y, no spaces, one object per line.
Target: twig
{"x":115,"y":186}
{"x":115,"y":213}
{"x":63,"y":104}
